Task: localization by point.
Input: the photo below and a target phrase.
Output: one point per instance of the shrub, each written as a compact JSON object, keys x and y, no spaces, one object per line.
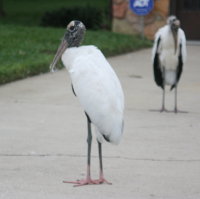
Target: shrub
{"x":92,"y":17}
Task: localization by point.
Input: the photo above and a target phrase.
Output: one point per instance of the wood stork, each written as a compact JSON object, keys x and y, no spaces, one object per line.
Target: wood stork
{"x":169,"y":55}
{"x":98,"y":89}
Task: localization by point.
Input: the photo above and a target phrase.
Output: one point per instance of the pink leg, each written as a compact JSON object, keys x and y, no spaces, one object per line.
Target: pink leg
{"x":88,"y":180}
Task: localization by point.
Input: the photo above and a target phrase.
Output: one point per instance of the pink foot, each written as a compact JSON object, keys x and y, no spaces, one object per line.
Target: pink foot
{"x":102,"y":180}
{"x":88,"y":182}
{"x":81,"y":182}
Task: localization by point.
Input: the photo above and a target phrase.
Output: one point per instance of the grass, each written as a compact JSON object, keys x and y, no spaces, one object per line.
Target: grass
{"x":27,"y":51}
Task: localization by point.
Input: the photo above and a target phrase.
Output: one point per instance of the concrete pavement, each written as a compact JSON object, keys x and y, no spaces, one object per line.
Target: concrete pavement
{"x":43,"y":137}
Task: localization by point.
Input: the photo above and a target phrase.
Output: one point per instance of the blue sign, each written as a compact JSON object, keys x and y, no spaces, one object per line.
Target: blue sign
{"x":141,"y":7}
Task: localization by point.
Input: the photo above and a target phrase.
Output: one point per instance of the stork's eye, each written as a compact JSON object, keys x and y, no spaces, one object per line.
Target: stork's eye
{"x":72,"y":28}
{"x":173,"y":20}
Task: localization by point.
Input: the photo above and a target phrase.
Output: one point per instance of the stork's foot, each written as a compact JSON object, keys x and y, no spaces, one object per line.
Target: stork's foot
{"x":102,"y":180}
{"x":88,"y":182}
{"x":163,"y":110}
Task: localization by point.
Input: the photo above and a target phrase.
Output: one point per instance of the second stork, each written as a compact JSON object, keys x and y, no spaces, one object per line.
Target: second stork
{"x":169,"y":55}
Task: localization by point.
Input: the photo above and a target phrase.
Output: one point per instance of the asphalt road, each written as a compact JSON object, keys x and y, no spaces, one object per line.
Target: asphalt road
{"x":43,"y":137}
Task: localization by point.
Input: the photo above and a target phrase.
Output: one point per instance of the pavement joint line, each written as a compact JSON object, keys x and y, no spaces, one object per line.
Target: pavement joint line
{"x":107,"y":157}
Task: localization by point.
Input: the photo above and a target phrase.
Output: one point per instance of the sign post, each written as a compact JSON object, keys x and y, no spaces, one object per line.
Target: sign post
{"x":141,"y":8}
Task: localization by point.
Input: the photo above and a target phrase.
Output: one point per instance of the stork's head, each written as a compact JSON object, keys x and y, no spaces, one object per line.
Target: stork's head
{"x":174,"y":24}
{"x":72,"y":38}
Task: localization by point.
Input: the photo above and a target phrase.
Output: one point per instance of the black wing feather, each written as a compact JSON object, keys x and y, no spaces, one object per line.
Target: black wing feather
{"x":73,"y":89}
{"x":156,"y":66}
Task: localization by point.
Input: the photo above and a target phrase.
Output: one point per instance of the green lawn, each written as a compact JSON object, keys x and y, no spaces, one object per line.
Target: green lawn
{"x":27,"y":51}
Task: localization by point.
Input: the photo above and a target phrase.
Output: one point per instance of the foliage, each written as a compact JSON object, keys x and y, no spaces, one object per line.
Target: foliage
{"x":92,"y":17}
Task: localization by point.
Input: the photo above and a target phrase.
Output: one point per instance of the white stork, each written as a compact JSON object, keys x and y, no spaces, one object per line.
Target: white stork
{"x":169,"y":55}
{"x":98,"y":89}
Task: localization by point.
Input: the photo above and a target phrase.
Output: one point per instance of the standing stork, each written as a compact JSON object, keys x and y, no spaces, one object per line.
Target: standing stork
{"x":169,"y":55}
{"x":98,"y":89}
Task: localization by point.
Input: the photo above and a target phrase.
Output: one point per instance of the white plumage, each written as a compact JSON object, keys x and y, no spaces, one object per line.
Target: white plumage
{"x":168,"y":56}
{"x":98,"y":90}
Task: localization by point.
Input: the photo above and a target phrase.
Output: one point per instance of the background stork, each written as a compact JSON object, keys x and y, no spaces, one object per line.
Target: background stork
{"x":169,"y":55}
{"x":98,"y":89}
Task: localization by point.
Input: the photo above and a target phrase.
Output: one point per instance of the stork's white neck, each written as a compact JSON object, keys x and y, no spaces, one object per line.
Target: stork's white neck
{"x":74,"y":53}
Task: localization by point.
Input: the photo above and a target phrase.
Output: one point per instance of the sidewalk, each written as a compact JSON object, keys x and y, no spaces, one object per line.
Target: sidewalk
{"x":43,"y":137}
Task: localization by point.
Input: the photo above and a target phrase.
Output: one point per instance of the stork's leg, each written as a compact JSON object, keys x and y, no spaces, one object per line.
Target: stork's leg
{"x":89,"y":141}
{"x":175,"y":102}
{"x":175,"y":99}
{"x":88,"y":179}
{"x":100,"y":160}
{"x":101,"y":175}
{"x":163,"y":96}
{"x":163,"y":100}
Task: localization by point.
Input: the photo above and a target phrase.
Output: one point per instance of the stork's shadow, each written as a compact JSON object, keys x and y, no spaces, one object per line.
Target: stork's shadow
{"x":168,"y":111}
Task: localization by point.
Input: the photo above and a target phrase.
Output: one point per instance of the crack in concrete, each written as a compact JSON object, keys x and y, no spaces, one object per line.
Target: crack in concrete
{"x":109,"y":157}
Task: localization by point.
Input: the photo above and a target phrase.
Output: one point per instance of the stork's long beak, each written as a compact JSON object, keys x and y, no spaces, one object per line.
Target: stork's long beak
{"x":175,"y":41}
{"x":63,"y":46}
{"x":176,"y":25}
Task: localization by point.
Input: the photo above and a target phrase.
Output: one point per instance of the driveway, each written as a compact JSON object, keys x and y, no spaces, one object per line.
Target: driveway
{"x":43,"y":137}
